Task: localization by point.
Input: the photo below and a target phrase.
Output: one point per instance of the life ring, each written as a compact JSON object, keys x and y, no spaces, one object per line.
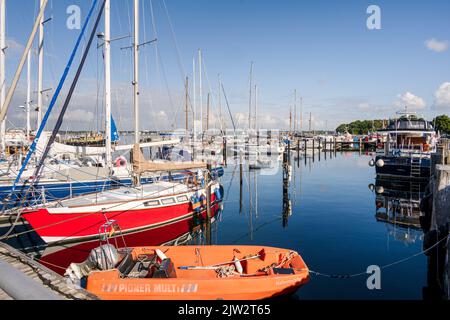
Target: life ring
{"x":426,"y":147}
{"x":120,"y":162}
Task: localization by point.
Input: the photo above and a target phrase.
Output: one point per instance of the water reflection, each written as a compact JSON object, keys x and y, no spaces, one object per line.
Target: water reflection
{"x":398,"y":202}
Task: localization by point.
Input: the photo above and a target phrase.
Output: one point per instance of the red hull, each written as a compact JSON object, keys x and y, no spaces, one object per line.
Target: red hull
{"x":59,"y":258}
{"x":73,"y":227}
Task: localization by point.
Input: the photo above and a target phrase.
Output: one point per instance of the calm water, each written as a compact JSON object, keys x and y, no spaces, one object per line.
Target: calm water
{"x":332,"y":225}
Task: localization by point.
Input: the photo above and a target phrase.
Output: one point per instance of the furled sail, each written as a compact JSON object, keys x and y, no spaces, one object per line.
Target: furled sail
{"x":141,"y":165}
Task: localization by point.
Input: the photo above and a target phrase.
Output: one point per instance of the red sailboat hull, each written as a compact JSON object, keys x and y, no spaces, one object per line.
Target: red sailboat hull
{"x":84,"y":226}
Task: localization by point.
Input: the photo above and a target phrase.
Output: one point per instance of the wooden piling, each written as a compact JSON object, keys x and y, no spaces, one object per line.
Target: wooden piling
{"x":208,"y":202}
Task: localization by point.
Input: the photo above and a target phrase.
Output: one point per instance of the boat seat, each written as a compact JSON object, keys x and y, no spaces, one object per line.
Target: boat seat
{"x":165,"y":270}
{"x":126,"y":265}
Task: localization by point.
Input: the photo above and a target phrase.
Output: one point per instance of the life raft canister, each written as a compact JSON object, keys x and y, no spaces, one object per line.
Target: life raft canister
{"x":120,"y":162}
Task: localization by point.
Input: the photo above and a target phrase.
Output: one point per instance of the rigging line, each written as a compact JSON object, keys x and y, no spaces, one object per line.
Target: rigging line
{"x":205,"y":71}
{"x":229,"y":111}
{"x":55,"y":96}
{"x":174,"y":39}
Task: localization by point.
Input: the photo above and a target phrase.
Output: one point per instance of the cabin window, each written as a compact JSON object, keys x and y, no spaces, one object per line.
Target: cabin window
{"x":152,"y":203}
{"x":182,"y":198}
{"x":168,"y":201}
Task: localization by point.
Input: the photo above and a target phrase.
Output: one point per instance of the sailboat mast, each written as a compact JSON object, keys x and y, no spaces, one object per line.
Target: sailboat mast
{"x":256,"y":107}
{"x":40,"y":69}
{"x":186,"y":88}
{"x":295,"y":110}
{"x":12,"y":89}
{"x":28,"y":103}
{"x":2,"y":68}
{"x":200,"y":88}
{"x":107,"y":58}
{"x":136,"y":72}
{"x":194,"y":88}
{"x":250,"y":98}
{"x":220,"y":104}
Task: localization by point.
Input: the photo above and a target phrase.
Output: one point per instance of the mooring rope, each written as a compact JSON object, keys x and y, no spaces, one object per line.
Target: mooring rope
{"x":348,"y":276}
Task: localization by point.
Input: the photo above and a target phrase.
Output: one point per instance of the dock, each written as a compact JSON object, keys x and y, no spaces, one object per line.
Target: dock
{"x":22,"y":278}
{"x":437,"y":213}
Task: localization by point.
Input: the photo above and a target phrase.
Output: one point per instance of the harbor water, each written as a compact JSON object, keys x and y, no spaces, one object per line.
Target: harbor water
{"x":328,"y":216}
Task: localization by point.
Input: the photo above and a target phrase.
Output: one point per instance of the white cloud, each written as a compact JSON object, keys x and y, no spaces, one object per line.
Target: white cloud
{"x":79,"y":115}
{"x":442,"y":95}
{"x":436,"y":45}
{"x":13,"y":46}
{"x":410,"y":100}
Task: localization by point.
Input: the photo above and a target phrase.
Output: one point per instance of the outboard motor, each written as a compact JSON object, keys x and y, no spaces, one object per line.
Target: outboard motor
{"x":105,"y":257}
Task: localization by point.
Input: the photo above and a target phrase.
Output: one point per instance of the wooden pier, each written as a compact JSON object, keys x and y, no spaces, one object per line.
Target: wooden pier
{"x":22,"y":278}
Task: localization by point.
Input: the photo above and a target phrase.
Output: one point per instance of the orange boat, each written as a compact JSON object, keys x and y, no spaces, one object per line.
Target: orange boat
{"x":199,"y":273}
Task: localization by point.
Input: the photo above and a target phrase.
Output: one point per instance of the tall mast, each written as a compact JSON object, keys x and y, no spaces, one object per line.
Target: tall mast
{"x":28,"y":103}
{"x":2,"y":68}
{"x":207,"y":111}
{"x":40,"y":69}
{"x":290,"y":119}
{"x":200,"y":88}
{"x":295,"y":110}
{"x":256,"y":107}
{"x":250,"y":98}
{"x":186,"y":88}
{"x":194,"y":129}
{"x":301,"y":114}
{"x":12,"y":89}
{"x":136,"y":72}
{"x":107,"y":53}
{"x":220,"y":103}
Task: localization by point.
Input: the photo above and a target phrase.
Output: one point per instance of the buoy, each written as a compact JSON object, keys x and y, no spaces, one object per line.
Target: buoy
{"x":238,"y":265}
{"x":120,"y":162}
{"x":160,"y":255}
{"x":380,"y":163}
{"x":371,"y":162}
{"x":371,"y":187}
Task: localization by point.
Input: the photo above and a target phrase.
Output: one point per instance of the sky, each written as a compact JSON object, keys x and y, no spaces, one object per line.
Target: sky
{"x":341,"y":69}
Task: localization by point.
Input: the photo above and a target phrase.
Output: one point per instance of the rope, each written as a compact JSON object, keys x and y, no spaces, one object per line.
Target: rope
{"x":348,"y":276}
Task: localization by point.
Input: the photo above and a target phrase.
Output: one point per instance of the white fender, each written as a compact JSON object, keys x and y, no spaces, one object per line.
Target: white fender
{"x":238,"y":265}
{"x":160,"y":254}
{"x":380,"y":163}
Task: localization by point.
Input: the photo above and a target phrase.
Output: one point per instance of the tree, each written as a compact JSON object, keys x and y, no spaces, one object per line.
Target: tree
{"x":442,"y":124}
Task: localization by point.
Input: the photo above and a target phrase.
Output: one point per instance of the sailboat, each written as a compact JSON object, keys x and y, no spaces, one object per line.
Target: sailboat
{"x":130,"y":209}
{"x":76,"y":170}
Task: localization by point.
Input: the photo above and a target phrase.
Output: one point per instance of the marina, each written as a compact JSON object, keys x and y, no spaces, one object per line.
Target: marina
{"x":115,"y":203}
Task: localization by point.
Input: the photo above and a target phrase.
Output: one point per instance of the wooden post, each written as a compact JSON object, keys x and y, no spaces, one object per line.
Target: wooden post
{"x":240,"y":185}
{"x":334,"y":142}
{"x":224,"y":150}
{"x":208,"y":202}
{"x":360,"y":145}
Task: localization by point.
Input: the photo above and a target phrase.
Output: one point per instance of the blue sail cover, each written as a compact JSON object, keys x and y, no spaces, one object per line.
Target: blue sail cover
{"x":114,"y":132}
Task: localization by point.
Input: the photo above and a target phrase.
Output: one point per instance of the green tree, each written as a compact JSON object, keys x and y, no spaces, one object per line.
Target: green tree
{"x":442,"y":124}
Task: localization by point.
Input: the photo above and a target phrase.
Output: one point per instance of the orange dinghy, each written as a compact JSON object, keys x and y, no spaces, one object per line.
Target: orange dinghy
{"x":200,"y":273}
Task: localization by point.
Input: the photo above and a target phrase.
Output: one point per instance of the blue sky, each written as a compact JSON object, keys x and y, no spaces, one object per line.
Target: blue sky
{"x":343,"y":70}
